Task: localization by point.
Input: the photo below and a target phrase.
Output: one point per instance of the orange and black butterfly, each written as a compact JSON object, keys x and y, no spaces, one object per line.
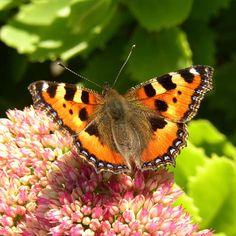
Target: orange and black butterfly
{"x":145,"y":127}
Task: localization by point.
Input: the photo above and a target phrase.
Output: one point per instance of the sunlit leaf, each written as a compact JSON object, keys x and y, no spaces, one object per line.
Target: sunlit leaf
{"x":187,"y":163}
{"x":159,"y":14}
{"x":213,"y":192}
{"x":202,"y":133}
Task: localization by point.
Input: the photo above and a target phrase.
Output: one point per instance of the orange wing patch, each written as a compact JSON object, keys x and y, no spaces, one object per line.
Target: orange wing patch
{"x":164,"y":145}
{"x":101,"y":156}
{"x":175,"y":96}
{"x":66,"y":104}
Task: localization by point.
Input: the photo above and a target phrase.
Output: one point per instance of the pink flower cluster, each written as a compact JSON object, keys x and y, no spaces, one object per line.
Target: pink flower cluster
{"x":46,"y":189}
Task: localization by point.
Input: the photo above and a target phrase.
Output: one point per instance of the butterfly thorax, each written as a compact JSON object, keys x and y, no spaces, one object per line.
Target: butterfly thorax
{"x":116,"y":106}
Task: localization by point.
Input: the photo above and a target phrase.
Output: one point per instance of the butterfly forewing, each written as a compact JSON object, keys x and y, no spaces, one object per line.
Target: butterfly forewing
{"x":68,"y":105}
{"x":177,"y":95}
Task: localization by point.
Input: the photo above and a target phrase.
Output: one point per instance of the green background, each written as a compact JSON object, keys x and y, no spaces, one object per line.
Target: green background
{"x":94,"y":37}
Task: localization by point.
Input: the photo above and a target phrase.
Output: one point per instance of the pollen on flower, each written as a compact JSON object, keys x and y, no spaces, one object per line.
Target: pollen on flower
{"x":46,"y":189}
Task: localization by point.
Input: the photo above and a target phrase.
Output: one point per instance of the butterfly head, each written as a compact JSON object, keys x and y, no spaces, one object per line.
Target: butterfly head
{"x":106,"y":88}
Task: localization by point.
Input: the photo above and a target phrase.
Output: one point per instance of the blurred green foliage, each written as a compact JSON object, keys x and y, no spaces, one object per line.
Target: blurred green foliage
{"x":94,"y":36}
{"x":206,"y":170}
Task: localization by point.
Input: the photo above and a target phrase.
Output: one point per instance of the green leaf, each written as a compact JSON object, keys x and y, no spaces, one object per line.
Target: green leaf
{"x":114,"y":20}
{"x":8,"y":4}
{"x":24,"y":31}
{"x":21,"y":39}
{"x":203,"y":133}
{"x":42,"y":12}
{"x":202,"y":41}
{"x":159,"y":14}
{"x":225,"y":220}
{"x":49,"y":36}
{"x":104,"y":65}
{"x":203,"y":10}
{"x":187,"y":163}
{"x":225,"y":36}
{"x":214,"y":193}
{"x":220,"y":234}
{"x":221,"y":101}
{"x":158,"y":53}
{"x":88,"y":14}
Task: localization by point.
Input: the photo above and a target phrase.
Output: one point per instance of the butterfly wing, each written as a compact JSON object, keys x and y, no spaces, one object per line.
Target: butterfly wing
{"x":177,"y":95}
{"x":167,"y":139}
{"x":95,"y":151}
{"x":75,"y":110}
{"x":174,"y":98}
{"x":68,"y":105}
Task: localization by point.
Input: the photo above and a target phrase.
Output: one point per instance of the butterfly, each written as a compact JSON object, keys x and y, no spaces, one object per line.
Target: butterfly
{"x":145,"y":128}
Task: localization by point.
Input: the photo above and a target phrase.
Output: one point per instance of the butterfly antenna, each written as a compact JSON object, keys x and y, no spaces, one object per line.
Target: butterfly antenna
{"x":73,"y":72}
{"x":122,"y":67}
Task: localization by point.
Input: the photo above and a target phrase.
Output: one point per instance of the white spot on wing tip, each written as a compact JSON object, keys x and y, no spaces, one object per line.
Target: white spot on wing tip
{"x":45,"y":86}
{"x":193,"y":71}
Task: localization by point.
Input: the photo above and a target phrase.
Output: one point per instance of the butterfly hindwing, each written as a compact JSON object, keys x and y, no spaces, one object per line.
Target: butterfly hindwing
{"x":166,"y":142}
{"x":177,"y":95}
{"x":97,"y":153}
